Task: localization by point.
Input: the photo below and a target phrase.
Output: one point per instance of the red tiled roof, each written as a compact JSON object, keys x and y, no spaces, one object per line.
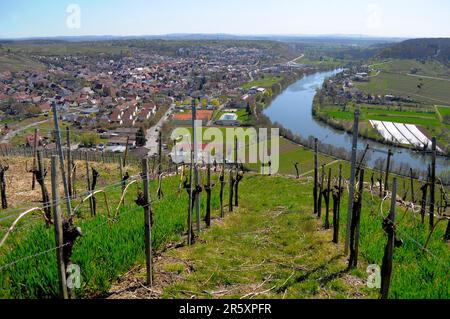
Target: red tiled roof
{"x":203,"y":115}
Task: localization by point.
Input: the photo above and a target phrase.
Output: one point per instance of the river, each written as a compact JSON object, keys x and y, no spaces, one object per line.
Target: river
{"x":293,"y":109}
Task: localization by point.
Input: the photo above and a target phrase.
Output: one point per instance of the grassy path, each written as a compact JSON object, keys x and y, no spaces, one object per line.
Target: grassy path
{"x":271,"y":247}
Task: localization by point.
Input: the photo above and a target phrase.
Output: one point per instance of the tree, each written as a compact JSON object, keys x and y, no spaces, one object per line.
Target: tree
{"x":140,"y":137}
{"x":89,"y":139}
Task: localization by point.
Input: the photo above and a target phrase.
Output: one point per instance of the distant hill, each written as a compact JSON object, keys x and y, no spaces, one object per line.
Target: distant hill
{"x":423,"y":49}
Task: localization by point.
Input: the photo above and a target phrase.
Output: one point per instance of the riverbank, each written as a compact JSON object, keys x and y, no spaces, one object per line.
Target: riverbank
{"x":291,"y":111}
{"x":367,"y":132}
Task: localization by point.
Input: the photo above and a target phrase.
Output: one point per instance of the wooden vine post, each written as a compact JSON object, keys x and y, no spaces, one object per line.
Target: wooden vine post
{"x":95,"y":175}
{"x":389,"y":228}
{"x":231,"y":182}
{"x":423,"y":202}
{"x":413,"y":200}
{"x":316,"y":175}
{"x":61,"y":160}
{"x":388,"y":167}
{"x":239,"y":177}
{"x":337,"y":193}
{"x":57,"y":221}
{"x":297,"y":170}
{"x":433,"y":183}
{"x":125,"y":157}
{"x":352,"y":178}
{"x":222,"y":187}
{"x":148,"y":217}
{"x":69,"y":162}
{"x":88,"y":182}
{"x":160,"y":168}
{"x":33,"y":183}
{"x":40,"y":174}
{"x":355,"y":225}
{"x":327,"y":194}
{"x":208,"y":195}
{"x":3,"y":169}
{"x":319,"y":202}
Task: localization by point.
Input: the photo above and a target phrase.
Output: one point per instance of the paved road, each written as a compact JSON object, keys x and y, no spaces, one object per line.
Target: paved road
{"x":7,"y":138}
{"x":152,"y":133}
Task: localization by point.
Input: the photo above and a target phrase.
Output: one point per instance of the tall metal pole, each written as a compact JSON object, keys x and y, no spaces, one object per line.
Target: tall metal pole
{"x":352,"y":179}
{"x":61,"y":160}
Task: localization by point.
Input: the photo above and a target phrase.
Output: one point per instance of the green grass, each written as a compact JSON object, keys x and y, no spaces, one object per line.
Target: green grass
{"x":275,"y":228}
{"x":16,"y":63}
{"x":265,"y":82}
{"x":274,"y":241}
{"x":271,"y":243}
{"x":444,"y":110}
{"x":103,"y":253}
{"x":432,"y":91}
{"x":431,"y":68}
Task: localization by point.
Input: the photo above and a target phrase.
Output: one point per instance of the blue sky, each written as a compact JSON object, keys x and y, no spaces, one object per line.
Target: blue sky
{"x":403,"y":18}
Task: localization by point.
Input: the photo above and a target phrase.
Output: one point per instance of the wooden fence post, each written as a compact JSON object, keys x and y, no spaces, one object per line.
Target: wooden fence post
{"x":61,"y":159}
{"x":222,"y":186}
{"x":316,"y":175}
{"x":208,"y":195}
{"x":88,"y":181}
{"x":389,"y":228}
{"x":57,"y":220}
{"x":95,"y":176}
{"x":423,"y":202}
{"x":160,"y":163}
{"x":148,"y":222}
{"x":412,"y":185}
{"x":327,"y":201}
{"x":231,"y":181}
{"x":354,"y":229}
{"x":40,"y":177}
{"x":239,"y":177}
{"x":33,"y":183}
{"x":3,"y":170}
{"x":337,"y":207}
{"x":319,"y":202}
{"x":433,"y":183}
{"x":352,"y":178}
{"x":125,"y":157}
{"x":388,"y":167}
{"x":69,"y":162}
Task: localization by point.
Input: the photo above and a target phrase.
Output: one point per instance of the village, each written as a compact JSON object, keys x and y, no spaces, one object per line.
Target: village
{"x":118,"y":97}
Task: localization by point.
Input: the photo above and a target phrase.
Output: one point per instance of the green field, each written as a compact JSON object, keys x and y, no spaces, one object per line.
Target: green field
{"x":417,"y":118}
{"x":265,"y":82}
{"x":105,"y":253}
{"x":16,"y":63}
{"x":432,"y":92}
{"x":430,"y":68}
